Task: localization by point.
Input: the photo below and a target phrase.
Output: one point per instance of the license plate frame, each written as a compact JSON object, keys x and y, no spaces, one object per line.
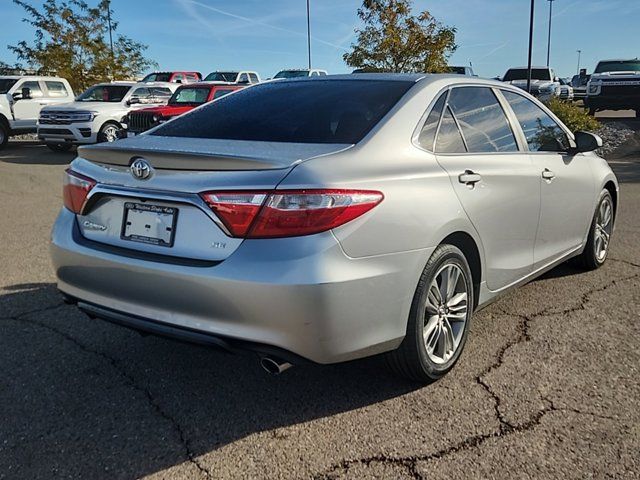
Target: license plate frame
{"x":168,"y":217}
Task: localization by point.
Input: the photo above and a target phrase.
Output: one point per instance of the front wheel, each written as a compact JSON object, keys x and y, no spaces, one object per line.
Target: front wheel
{"x":4,"y":136}
{"x":439,"y":319}
{"x":110,"y":132}
{"x":597,"y":248}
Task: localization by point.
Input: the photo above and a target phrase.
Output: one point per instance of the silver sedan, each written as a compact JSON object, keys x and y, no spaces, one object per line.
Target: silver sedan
{"x":333,"y":218}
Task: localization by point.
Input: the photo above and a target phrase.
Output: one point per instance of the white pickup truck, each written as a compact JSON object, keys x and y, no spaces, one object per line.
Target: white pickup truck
{"x":21,"y":99}
{"x":97,"y":114}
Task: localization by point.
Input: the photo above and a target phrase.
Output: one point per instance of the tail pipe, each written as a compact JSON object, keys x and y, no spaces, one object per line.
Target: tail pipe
{"x":274,"y":365}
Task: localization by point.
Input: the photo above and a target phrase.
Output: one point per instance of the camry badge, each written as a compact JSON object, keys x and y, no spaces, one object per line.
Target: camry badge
{"x":141,"y":169}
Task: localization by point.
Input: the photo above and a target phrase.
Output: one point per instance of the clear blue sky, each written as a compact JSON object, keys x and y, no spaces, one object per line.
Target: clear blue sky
{"x":263,"y":35}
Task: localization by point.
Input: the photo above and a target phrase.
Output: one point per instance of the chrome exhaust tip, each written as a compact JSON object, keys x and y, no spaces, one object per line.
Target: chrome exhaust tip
{"x":274,"y":366}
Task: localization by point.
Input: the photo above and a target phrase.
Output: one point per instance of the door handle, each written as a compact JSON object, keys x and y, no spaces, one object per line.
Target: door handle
{"x":548,"y":174}
{"x":469,"y":177}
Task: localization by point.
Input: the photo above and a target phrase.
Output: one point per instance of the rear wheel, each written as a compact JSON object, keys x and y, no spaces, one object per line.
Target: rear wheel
{"x":597,"y":248}
{"x":59,"y":147}
{"x":109,"y":132}
{"x":439,"y":319}
{"x":4,"y":135}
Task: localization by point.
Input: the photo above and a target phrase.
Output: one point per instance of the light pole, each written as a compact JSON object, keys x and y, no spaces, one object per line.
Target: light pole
{"x":530,"y":47}
{"x":110,"y":36}
{"x":549,"y":38}
{"x":309,"y":34}
{"x":578,"y":69}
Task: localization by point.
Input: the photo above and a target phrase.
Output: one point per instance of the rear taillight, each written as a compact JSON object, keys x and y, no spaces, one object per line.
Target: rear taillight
{"x":75,"y":189}
{"x":289,"y":213}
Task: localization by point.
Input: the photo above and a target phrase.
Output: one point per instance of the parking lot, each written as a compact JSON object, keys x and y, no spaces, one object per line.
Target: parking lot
{"x":547,"y":387}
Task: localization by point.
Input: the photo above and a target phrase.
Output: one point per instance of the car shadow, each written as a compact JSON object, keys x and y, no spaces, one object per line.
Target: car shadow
{"x":111,"y":400}
{"x":34,"y":153}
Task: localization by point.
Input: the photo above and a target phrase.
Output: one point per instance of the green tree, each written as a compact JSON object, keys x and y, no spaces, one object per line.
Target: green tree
{"x":394,"y":40}
{"x":71,"y":39}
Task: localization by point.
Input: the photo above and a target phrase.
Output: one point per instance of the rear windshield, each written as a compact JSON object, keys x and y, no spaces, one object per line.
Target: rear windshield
{"x":157,"y":77}
{"x":619,"y":66}
{"x":190,"y":96}
{"x":104,"y":93}
{"x":521,"y":74}
{"x":304,"y":111}
{"x":221,"y":77}
{"x":292,"y":73}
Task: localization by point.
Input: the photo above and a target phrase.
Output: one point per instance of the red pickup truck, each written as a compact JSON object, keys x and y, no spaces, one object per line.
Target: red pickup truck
{"x":184,"y":99}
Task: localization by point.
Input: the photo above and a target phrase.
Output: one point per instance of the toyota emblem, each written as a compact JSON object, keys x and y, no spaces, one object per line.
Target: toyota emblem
{"x":141,"y":169}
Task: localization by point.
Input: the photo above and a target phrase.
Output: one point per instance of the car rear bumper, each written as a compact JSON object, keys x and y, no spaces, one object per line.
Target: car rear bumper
{"x":301,"y":295}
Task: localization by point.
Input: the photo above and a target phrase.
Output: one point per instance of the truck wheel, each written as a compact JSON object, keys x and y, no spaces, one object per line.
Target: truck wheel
{"x":59,"y":147}
{"x":4,"y":135}
{"x":592,"y":111}
{"x":109,"y":132}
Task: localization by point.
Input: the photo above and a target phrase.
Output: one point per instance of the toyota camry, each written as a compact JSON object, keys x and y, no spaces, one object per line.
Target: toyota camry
{"x":332,"y":218}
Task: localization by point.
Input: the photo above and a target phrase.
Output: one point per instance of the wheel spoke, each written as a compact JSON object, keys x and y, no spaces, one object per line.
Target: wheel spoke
{"x":458,"y":302}
{"x":606,"y":219}
{"x":453,"y":274}
{"x":433,"y":299}
{"x":434,"y":339}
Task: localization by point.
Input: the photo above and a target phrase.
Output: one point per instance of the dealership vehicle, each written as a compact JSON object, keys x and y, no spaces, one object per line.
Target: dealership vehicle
{"x":301,"y":72}
{"x":614,"y":85}
{"x":328,"y":219}
{"x":97,"y":114}
{"x":579,"y":84}
{"x":246,"y":77}
{"x":184,"y":99}
{"x":544,"y":83}
{"x":461,"y":71}
{"x":565,"y":91}
{"x":21,"y":99}
{"x":173,"y":77}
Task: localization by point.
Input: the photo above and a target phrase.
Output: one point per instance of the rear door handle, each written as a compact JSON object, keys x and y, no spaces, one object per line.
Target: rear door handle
{"x":548,"y":174}
{"x":469,"y":177}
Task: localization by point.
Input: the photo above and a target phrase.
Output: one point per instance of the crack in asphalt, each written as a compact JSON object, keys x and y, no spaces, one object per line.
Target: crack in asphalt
{"x":506,"y":428}
{"x":633,"y":264}
{"x":129,"y":380}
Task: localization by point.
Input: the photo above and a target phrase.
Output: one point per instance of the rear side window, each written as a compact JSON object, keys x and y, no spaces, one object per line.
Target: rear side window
{"x":56,"y":89}
{"x":483,"y":122}
{"x":321,"y":111}
{"x":160,"y":94}
{"x":542,"y":132}
{"x":221,"y":92}
{"x":449,"y":137}
{"x":427,"y":135}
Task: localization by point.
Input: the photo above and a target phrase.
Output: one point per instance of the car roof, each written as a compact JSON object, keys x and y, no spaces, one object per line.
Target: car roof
{"x":399,"y":77}
{"x":34,"y":77}
{"x":544,"y":67}
{"x":156,"y":84}
{"x":620,"y":60}
{"x":210,"y":83}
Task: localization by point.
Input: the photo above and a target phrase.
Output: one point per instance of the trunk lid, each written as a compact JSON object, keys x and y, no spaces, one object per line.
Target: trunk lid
{"x":122,"y":210}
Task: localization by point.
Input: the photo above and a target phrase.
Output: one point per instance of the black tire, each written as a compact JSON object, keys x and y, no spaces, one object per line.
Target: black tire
{"x":592,"y":111}
{"x":4,"y":135}
{"x":637,"y":112}
{"x":410,"y":359}
{"x":104,"y":134}
{"x":588,"y":259}
{"x":59,"y":147}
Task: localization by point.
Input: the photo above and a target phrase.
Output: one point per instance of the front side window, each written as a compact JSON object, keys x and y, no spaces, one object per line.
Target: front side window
{"x":104,"y":93}
{"x":56,"y":89}
{"x":36,"y":91}
{"x":483,"y":122}
{"x":542,"y":132}
{"x":427,"y":135}
{"x":449,"y":137}
{"x":323,"y":111}
{"x":243,"y":78}
{"x":189,"y":96}
{"x":143,"y":95}
{"x":160,"y":94}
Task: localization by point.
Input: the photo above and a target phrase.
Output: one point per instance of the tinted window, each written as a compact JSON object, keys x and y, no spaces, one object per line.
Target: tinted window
{"x":292,"y":73}
{"x":104,"y":93}
{"x":618,"y":66}
{"x":253,"y":77}
{"x":36,"y":92}
{"x":428,"y":133}
{"x":6,"y":84}
{"x":449,"y":138}
{"x":221,"y":92}
{"x":157,"y":77}
{"x":521,"y":74}
{"x":56,"y":89}
{"x":160,"y":94}
{"x":484,"y":125}
{"x":191,"y":95}
{"x":542,"y":132}
{"x":322,"y":111}
{"x":222,"y":77}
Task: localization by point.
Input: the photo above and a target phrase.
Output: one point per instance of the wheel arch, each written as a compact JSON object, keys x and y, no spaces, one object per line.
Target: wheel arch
{"x":611,"y":188}
{"x":467,"y":244}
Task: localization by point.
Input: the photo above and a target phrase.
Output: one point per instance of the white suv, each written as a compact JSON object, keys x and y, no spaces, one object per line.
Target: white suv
{"x":21,"y":99}
{"x":97,"y":114}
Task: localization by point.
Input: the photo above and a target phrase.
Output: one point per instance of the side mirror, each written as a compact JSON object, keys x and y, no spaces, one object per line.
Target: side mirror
{"x":133,"y":101}
{"x":587,"y":142}
{"x":16,"y":96}
{"x":178,"y":81}
{"x":26,"y":93}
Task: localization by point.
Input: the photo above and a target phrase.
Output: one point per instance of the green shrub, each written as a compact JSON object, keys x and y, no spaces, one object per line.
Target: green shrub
{"x":574,"y":117}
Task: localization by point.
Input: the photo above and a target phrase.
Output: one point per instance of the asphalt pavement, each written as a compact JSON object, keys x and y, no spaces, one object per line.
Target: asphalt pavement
{"x":548,"y":386}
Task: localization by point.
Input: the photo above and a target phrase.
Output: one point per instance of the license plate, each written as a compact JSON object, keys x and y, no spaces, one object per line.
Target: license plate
{"x":152,"y":224}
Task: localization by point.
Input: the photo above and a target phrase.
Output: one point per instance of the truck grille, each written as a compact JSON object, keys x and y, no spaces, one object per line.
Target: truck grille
{"x":55,"y":117}
{"x":140,"y":121}
{"x":621,"y":90}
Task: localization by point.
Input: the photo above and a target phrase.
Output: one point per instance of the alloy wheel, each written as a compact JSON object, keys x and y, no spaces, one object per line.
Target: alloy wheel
{"x":110,"y":133}
{"x":602,"y":232}
{"x":445,"y":313}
